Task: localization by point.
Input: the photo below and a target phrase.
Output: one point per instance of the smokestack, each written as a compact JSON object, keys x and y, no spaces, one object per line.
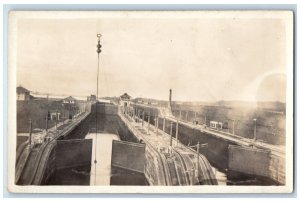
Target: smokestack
{"x":170,"y":99}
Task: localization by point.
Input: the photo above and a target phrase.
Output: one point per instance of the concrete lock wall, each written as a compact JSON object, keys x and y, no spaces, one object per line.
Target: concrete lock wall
{"x":73,"y":153}
{"x":124,"y":133}
{"x":108,"y":121}
{"x":270,"y":125}
{"x":217,"y":148}
{"x":64,"y":154}
{"x":130,"y":156}
{"x":80,"y":131}
{"x":107,"y":109}
{"x":277,"y":169}
{"x":249,"y":160}
{"x":21,"y":139}
{"x":50,"y":167}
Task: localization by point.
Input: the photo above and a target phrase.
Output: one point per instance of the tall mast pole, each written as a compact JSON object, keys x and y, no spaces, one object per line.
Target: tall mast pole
{"x":98,"y":51}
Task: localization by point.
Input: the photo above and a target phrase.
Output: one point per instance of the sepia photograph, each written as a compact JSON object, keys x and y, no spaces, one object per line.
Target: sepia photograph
{"x":150,"y":101}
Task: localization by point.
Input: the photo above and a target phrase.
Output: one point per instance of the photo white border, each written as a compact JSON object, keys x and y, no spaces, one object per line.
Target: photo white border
{"x":138,"y":189}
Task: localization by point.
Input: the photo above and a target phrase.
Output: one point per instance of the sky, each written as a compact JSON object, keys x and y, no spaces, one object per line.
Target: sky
{"x":199,"y":58}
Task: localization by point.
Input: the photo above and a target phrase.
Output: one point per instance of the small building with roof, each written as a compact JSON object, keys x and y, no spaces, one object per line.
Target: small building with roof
{"x":69,"y":100}
{"x":23,"y":93}
{"x":125,"y":100}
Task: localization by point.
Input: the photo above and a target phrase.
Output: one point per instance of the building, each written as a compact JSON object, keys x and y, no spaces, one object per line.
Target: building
{"x":69,"y":100}
{"x":23,"y":93}
{"x":125,"y":100}
{"x":91,"y":98}
{"x":70,"y":107}
{"x":216,"y":125}
{"x":55,"y":115}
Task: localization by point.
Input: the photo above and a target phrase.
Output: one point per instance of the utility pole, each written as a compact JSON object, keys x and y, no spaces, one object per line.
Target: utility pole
{"x":56,"y":120}
{"x":47,"y":122}
{"x":180,"y":114}
{"x":133,"y":114}
{"x":233,"y":127}
{"x":30,"y":133}
{"x":143,"y":118}
{"x":192,"y":172}
{"x":187,"y":113}
{"x":164,"y":124}
{"x":157,"y":125}
{"x":171,"y":134}
{"x":138,"y":116}
{"x":197,"y":165}
{"x":254,"y":138}
{"x":148,"y":123}
{"x":177,"y":132}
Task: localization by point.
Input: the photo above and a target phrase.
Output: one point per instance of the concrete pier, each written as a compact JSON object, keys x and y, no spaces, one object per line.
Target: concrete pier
{"x":101,"y":152}
{"x":165,"y":168}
